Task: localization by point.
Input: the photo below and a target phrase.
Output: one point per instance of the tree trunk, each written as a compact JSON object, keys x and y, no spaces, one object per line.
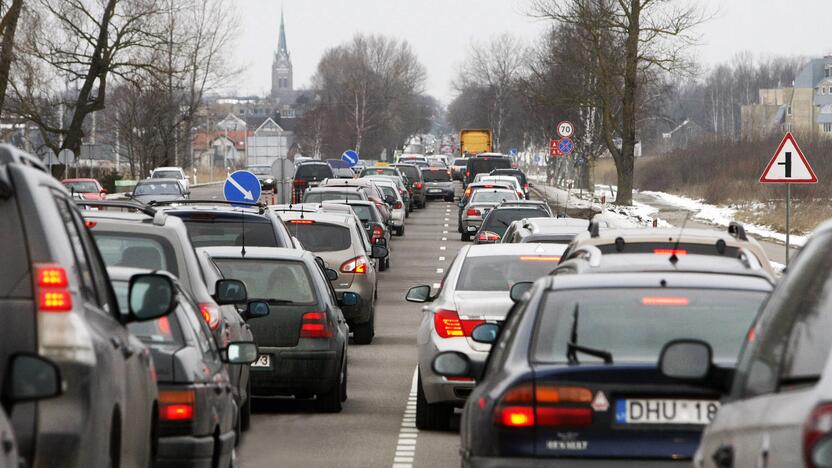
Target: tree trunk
{"x":628,"y":114}
{"x":7,"y":46}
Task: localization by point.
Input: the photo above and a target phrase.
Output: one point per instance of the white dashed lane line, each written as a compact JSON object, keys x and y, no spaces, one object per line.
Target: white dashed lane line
{"x":441,"y":259}
{"x":408,"y":434}
{"x":442,"y":247}
{"x":440,"y":270}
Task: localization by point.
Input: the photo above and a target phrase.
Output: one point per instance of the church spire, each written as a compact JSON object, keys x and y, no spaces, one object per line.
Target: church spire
{"x":281,"y":42}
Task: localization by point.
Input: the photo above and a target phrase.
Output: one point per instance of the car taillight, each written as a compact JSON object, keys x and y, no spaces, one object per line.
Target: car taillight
{"x":53,"y":288}
{"x":467,"y":173}
{"x":473,"y":212}
{"x":467,"y":192}
{"x":176,"y":405}
{"x":299,"y":183}
{"x":526,"y":186}
{"x":211,"y":313}
{"x":448,"y":324}
{"x":665,"y":301}
{"x":816,"y":436}
{"x":676,"y":252}
{"x":418,"y":185}
{"x":529,"y":405}
{"x":398,"y":205}
{"x":378,"y":232}
{"x":90,"y":223}
{"x":488,"y":236}
{"x":315,"y":325}
{"x":357,"y":265}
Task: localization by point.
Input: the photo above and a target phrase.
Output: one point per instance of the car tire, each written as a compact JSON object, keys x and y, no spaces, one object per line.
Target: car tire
{"x":431,"y":417}
{"x":400,"y":231}
{"x":449,"y":199}
{"x":330,"y":402}
{"x":344,"y":379}
{"x":465,"y":237}
{"x":363,"y":333}
{"x":245,"y":411}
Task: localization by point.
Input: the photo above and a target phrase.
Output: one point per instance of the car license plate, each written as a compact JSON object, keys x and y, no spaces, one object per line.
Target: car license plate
{"x":263,"y":360}
{"x":651,"y":411}
{"x":435,"y":190}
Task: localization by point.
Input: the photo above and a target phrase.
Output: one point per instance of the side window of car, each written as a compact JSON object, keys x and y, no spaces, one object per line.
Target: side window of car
{"x":775,"y":353}
{"x":322,"y":277}
{"x":84,"y":273}
{"x":204,"y":339}
{"x":106,"y":297}
{"x":497,"y":356}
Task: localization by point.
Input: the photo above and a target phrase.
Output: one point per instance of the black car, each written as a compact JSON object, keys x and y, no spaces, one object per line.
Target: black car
{"x":519,"y":175}
{"x":159,"y":190}
{"x":197,"y":412}
{"x":309,"y":174}
{"x":573,"y":374}
{"x":303,"y":342}
{"x":415,"y":183}
{"x":497,"y":220}
{"x":57,"y":304}
{"x":264,"y":175}
{"x":485,"y":162}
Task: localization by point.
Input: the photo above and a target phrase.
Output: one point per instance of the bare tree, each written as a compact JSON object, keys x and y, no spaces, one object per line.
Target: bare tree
{"x":8,"y":29}
{"x":624,"y":41}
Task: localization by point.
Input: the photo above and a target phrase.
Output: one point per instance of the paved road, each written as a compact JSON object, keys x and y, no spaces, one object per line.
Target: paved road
{"x":376,"y":427}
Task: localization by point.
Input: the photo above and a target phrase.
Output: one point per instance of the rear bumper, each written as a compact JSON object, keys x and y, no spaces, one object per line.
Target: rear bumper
{"x":440,"y":192}
{"x":192,"y":451}
{"x":295,"y":372}
{"x":500,"y":462}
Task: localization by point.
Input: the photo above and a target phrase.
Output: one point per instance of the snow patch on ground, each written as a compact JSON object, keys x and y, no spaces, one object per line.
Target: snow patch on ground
{"x":722,"y":216}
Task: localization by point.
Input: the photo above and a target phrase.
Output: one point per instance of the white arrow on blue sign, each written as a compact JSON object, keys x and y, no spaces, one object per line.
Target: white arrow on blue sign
{"x":350,"y":157}
{"x":513,"y":152}
{"x":242,"y":186}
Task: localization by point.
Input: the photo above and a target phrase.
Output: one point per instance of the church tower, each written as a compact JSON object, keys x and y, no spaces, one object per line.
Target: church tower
{"x":282,"y":67}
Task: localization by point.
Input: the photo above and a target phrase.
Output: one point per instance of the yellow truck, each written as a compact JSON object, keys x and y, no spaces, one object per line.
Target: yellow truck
{"x":473,"y":141}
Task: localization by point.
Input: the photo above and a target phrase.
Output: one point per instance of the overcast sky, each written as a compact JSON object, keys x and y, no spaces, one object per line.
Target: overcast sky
{"x":441,"y":31}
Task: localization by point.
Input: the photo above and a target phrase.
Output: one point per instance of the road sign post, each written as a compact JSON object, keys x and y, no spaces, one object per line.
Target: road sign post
{"x":788,"y":166}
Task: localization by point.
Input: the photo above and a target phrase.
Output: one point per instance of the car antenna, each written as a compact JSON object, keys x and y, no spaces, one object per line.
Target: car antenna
{"x":243,"y":240}
{"x":674,"y":259}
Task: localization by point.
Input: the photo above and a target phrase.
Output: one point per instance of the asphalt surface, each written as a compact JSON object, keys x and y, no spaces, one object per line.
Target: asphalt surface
{"x":376,"y":427}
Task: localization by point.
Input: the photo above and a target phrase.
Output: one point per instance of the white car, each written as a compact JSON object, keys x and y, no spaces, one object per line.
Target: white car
{"x":505,"y":180}
{"x":393,"y":197}
{"x":172,"y":173}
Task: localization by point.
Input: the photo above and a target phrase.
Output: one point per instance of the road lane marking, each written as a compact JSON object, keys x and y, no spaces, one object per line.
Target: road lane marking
{"x":435,"y":286}
{"x":441,"y":259}
{"x":442,"y":247}
{"x":405,"y":454}
{"x":445,"y":232}
{"x":444,"y":238}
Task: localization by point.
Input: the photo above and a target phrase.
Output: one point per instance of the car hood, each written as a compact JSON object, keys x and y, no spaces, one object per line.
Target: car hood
{"x":490,"y":305}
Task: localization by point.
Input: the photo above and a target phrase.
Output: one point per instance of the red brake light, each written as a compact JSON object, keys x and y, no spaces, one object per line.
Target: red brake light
{"x":539,"y":259}
{"x":211,"y":313}
{"x":670,"y":252}
{"x":467,"y":173}
{"x":176,"y":405}
{"x":665,"y":301}
{"x":301,"y":221}
{"x":315,"y":325}
{"x":472,"y":212}
{"x":398,"y":205}
{"x":299,"y":182}
{"x":488,"y":236}
{"x":818,"y":425}
{"x":516,"y":416}
{"x":52,"y":283}
{"x":448,"y":324}
{"x":418,"y":185}
{"x":529,"y":405}
{"x":357,"y":265}
{"x":378,"y":232}
{"x":176,"y":412}
{"x":90,"y":223}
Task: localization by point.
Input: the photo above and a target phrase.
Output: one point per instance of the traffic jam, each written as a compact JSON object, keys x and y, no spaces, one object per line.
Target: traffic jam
{"x":148,"y":330}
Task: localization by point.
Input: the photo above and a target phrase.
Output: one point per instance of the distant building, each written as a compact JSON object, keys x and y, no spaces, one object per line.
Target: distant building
{"x":282,"y":86}
{"x":268,"y":143}
{"x":805,"y":108}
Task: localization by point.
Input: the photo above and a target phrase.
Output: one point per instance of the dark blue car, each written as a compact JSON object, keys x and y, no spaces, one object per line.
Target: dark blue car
{"x":573,"y":377}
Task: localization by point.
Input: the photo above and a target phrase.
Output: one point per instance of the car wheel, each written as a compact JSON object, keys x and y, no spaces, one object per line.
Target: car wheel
{"x":330,"y":402}
{"x":400,"y":231}
{"x":232,"y":460}
{"x":431,"y":417}
{"x":449,"y":199}
{"x":465,"y":237}
{"x":459,"y":228}
{"x":245,"y":412}
{"x":363,"y":333}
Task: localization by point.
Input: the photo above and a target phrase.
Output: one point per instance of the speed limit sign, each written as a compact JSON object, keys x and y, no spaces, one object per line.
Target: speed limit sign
{"x":566,"y":129}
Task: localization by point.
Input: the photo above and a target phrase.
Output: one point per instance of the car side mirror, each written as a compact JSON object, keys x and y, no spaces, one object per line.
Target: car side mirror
{"x":128,"y":194}
{"x":349,"y":299}
{"x":320,"y":261}
{"x":460,"y":204}
{"x":331,"y":274}
{"x":151,"y":296}
{"x":452,"y":364}
{"x":531,"y":185}
{"x":485,"y":333}
{"x":686,"y":359}
{"x":419,"y":294}
{"x":257,"y":309}
{"x":520,"y":289}
{"x":240,"y":352}
{"x":230,"y":291}
{"x":31,"y":377}
{"x":379,"y":251}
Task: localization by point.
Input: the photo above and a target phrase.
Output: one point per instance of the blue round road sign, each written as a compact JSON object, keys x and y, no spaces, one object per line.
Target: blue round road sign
{"x":242,"y":186}
{"x":565,"y":145}
{"x":350,"y":157}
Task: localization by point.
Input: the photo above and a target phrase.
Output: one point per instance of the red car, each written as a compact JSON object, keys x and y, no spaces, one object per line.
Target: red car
{"x":88,"y":189}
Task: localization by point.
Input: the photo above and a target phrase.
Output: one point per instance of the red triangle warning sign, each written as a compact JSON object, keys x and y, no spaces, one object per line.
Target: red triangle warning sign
{"x":788,"y":165}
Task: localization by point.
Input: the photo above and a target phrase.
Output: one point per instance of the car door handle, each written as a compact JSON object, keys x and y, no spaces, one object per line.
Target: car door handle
{"x":723,"y":457}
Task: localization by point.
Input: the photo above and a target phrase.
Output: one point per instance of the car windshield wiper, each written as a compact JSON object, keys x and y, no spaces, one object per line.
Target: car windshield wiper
{"x":279,"y":301}
{"x":573,"y":348}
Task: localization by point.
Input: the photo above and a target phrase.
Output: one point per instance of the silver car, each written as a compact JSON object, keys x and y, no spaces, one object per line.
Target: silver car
{"x":475,"y":290}
{"x":393,"y":198}
{"x":480,"y":203}
{"x":778,"y":413}
{"x":438,"y":183}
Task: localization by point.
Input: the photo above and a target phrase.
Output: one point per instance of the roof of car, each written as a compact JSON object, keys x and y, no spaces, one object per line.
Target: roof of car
{"x":278,"y":253}
{"x":490,"y":155}
{"x":324,"y":217}
{"x":487,"y":250}
{"x":82,"y":179}
{"x":158,"y":180}
{"x":310,"y":207}
{"x":363,"y":182}
{"x":658,"y":263}
{"x":677,"y":279}
{"x":333,"y":188}
{"x":313,"y":161}
{"x":546,"y":223}
{"x":635,"y":235}
{"x":168,"y":168}
{"x":119,"y":273}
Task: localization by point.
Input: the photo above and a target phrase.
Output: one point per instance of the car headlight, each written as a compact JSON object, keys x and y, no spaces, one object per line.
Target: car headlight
{"x":269,"y":181}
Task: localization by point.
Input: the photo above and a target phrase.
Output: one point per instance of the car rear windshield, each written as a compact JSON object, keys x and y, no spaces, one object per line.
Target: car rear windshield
{"x":498,"y":220}
{"x":214,"y":229}
{"x":492,"y":196}
{"x":501,"y":272}
{"x":388,"y":191}
{"x":167,"y":175}
{"x":260,"y":170}
{"x":322,"y":196}
{"x":390,"y":171}
{"x":487,"y":164}
{"x":158,"y":188}
{"x":162,"y":330}
{"x":278,"y":281}
{"x":666,"y":247}
{"x":634,"y":324}
{"x":511,"y":173}
{"x":411,"y":172}
{"x":81,"y":187}
{"x":432,"y":175}
{"x":136,"y":251}
{"x":313,"y":172}
{"x":365,"y":213}
{"x":15,"y":281}
{"x":460,"y":162}
{"x":320,"y":237}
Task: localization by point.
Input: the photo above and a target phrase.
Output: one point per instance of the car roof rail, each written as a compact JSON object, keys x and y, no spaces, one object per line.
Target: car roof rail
{"x":128,"y":204}
{"x":737,"y":230}
{"x":594,"y":229}
{"x":262,"y":208}
{"x":590,"y":253}
{"x":749,"y":259}
{"x":12,"y":154}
